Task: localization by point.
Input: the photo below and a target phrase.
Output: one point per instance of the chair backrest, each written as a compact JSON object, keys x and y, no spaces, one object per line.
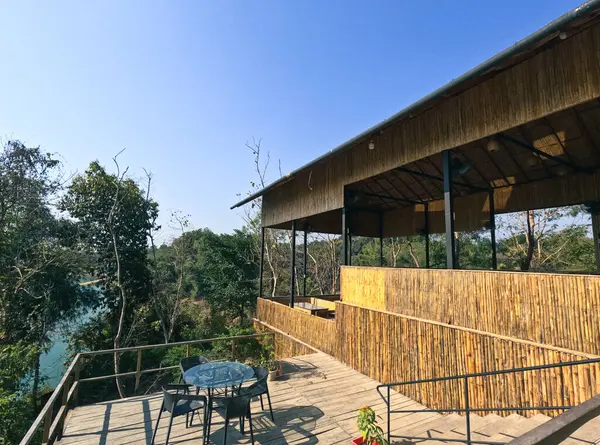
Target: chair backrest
{"x":237,"y":406}
{"x":189,"y":362}
{"x":169,"y":400}
{"x":260,"y":386}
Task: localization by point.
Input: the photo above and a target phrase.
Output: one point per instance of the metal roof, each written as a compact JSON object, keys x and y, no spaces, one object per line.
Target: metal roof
{"x":516,"y":53}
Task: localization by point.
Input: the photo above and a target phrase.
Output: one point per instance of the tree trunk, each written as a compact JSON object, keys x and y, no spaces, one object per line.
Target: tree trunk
{"x":530,"y":239}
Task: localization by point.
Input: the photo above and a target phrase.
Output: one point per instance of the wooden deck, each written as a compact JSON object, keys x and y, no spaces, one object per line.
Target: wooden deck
{"x":315,"y":402}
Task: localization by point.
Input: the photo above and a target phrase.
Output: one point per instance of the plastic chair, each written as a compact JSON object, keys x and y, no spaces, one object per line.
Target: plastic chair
{"x":190,"y":362}
{"x":258,"y":388}
{"x":236,"y":406}
{"x":179,"y":404}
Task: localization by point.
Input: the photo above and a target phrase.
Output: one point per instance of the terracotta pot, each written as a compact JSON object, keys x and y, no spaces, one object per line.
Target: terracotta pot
{"x":360,"y":441}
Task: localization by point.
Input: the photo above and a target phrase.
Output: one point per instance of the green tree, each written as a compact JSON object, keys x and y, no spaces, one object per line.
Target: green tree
{"x":40,"y":268}
{"x":115,"y":218}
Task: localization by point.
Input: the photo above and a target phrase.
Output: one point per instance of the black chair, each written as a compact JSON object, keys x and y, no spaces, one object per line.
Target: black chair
{"x":190,"y":362}
{"x":178,"y":404}
{"x":259,"y":388}
{"x":232,"y":407}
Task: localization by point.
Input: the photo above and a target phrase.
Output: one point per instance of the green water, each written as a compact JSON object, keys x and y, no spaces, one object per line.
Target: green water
{"x":52,"y":362}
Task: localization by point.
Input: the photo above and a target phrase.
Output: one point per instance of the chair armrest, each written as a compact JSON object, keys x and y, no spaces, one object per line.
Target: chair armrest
{"x":193,"y":397}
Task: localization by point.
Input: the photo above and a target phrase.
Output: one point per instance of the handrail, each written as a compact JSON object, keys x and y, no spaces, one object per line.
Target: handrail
{"x":49,"y":406}
{"x":467,"y":410}
{"x":53,"y":424}
{"x":562,"y":426}
{"x":171,"y":345}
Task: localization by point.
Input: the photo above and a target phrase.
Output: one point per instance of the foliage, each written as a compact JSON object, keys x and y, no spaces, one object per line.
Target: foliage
{"x":367,"y":425}
{"x":90,"y":199}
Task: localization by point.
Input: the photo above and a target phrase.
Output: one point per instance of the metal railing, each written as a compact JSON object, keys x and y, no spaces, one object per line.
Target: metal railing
{"x":466,"y":408}
{"x":68,"y":387}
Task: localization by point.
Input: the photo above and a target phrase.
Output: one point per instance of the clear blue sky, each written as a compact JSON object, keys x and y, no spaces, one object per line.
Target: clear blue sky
{"x":183,"y":85}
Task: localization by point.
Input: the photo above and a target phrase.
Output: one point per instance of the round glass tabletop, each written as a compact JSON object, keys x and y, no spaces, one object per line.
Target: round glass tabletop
{"x":218,"y":374}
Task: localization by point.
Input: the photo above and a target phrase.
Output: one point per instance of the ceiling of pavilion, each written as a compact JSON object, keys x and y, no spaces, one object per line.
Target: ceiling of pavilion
{"x":571,"y":137}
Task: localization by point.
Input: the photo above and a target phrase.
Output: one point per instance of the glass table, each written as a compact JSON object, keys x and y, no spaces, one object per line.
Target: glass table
{"x":217,"y":375}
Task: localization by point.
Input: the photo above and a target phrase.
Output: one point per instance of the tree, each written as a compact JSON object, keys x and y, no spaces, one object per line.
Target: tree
{"x":172,"y":279}
{"x":115,"y":219}
{"x":225,"y":271}
{"x":40,"y":264}
{"x":533,"y":240}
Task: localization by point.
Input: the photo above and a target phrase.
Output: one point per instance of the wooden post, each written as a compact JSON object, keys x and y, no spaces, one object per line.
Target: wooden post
{"x":262,"y":261}
{"x":65,"y":402}
{"x":187,"y":350}
{"x":138,"y":370}
{"x":451,"y":260}
{"x":47,"y":425}
{"x":293,"y":269}
{"x":76,"y":380}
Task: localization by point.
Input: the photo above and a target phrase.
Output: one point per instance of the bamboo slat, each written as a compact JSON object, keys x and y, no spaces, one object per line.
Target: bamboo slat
{"x":554,"y":309}
{"x":392,"y":347}
{"x":316,"y":331}
{"x":428,"y":350}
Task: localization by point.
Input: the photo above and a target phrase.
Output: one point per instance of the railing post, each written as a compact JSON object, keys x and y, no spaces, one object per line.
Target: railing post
{"x":47,"y":425}
{"x":389,"y":404}
{"x":138,"y":370}
{"x":467,"y":415}
{"x":76,"y":380}
{"x":187,"y":350}
{"x":65,"y":402}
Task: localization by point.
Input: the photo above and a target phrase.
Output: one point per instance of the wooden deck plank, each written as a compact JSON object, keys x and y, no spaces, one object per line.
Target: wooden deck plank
{"x":315,"y":402}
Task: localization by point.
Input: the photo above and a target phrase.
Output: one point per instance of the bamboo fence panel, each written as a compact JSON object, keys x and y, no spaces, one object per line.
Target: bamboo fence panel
{"x":557,"y":78}
{"x":284,"y":346}
{"x":554,"y":309}
{"x":390,"y":347}
{"x":316,"y":331}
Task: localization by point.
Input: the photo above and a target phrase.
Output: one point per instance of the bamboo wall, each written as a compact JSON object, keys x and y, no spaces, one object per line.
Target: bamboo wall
{"x":553,"y":309}
{"x":557,"y":78}
{"x":316,"y":331}
{"x":285,"y":347}
{"x":391,"y":347}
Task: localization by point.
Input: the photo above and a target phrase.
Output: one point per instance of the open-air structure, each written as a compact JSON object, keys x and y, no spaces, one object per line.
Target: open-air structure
{"x":519,"y":132}
{"x":471,"y":356}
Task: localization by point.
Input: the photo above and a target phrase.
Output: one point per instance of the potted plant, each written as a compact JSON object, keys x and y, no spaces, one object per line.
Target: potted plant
{"x":274,"y":368}
{"x":371,"y":433}
{"x":268,"y":360}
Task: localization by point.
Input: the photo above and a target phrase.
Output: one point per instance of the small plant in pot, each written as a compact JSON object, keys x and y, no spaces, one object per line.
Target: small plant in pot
{"x":274,"y":368}
{"x":268,"y":361}
{"x":371,"y":433}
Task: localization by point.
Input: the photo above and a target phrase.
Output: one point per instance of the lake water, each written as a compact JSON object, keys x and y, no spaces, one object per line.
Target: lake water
{"x":52,"y":362}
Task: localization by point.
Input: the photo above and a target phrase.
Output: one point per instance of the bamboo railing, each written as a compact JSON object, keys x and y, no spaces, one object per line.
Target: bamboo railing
{"x":52,"y":423}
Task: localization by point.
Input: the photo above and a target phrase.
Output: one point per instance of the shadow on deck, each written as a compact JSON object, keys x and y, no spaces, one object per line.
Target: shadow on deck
{"x":314,"y":402}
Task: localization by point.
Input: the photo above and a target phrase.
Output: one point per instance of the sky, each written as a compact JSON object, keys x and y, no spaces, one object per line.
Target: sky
{"x":183,"y":85}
